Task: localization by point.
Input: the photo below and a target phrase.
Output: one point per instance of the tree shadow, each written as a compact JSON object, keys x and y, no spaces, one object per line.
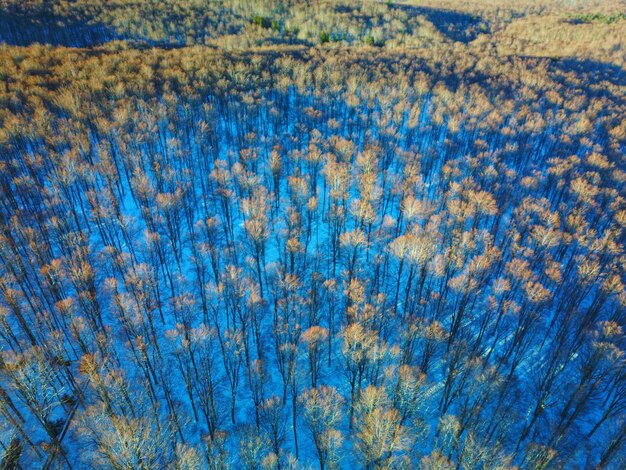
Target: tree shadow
{"x":587,"y":74}
{"x":22,"y":27}
{"x":458,"y":26}
{"x":592,"y":71}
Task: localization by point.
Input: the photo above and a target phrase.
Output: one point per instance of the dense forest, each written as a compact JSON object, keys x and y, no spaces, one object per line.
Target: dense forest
{"x":297,"y":234}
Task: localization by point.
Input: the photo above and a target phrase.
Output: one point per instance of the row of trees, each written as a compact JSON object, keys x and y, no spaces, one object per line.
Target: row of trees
{"x":223,"y":23}
{"x":281,"y":260}
{"x":537,"y":28}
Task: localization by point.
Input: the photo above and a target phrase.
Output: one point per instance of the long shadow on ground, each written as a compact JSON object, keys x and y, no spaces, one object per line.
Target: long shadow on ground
{"x":458,"y":26}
